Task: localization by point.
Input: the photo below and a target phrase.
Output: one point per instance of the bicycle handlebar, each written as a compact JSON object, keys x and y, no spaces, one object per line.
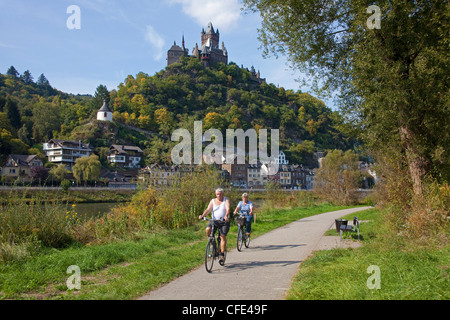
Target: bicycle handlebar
{"x":243,"y":214}
{"x":205,"y":218}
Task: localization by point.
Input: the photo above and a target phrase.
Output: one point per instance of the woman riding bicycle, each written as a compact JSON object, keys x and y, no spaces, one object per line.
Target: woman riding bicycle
{"x":246,"y":208}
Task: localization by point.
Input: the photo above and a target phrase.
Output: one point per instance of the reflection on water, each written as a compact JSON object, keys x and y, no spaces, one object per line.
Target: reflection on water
{"x":88,"y":210}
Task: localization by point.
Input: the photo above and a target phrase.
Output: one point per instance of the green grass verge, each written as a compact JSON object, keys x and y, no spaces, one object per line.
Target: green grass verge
{"x":127,"y":269}
{"x":407,"y":271}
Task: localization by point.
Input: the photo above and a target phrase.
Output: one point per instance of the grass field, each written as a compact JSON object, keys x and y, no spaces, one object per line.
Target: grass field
{"x":130,"y":268}
{"x":408,"y":270}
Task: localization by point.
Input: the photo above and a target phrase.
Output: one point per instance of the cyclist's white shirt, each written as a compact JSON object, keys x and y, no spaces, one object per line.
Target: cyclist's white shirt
{"x":219,"y":211}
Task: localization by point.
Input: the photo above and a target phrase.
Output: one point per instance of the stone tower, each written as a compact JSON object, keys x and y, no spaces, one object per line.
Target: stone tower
{"x":211,"y":35}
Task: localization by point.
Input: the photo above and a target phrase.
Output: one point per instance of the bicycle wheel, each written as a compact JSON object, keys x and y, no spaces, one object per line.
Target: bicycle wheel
{"x":240,"y":238}
{"x":210,"y":255}
{"x":247,"y":241}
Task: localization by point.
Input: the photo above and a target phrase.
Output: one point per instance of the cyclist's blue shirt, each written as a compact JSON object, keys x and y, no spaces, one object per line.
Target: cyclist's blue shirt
{"x":245,"y":208}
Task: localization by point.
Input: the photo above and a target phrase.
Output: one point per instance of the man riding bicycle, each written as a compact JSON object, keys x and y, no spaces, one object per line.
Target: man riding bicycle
{"x":246,"y":208}
{"x":220,"y":208}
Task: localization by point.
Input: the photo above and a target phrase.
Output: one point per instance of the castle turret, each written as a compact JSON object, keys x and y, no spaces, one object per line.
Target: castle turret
{"x":105,"y":113}
{"x":195,"y":52}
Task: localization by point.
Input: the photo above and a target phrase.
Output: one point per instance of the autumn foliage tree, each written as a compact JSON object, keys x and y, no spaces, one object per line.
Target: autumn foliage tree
{"x":393,"y":78}
{"x":338,"y":178}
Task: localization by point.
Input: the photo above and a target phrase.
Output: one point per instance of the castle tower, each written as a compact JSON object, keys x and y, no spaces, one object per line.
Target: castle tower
{"x":175,"y":52}
{"x":212,"y":35}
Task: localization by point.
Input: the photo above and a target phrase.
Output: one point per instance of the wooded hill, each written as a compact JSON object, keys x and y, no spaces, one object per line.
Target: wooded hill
{"x":226,"y":96}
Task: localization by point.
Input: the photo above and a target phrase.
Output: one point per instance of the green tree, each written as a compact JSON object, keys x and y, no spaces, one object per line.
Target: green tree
{"x":27,"y":78}
{"x":42,"y":81}
{"x":87,"y":169}
{"x":13,"y":113}
{"x":159,"y":151}
{"x":338,"y":177}
{"x":302,"y":153}
{"x":46,"y":119}
{"x":59,"y":173}
{"x":44,"y":86}
{"x":12,"y":72}
{"x":4,"y":122}
{"x":24,"y":135}
{"x":393,"y":80}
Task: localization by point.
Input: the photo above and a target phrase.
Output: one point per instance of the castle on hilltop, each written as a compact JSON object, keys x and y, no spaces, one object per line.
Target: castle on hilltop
{"x":209,"y":52}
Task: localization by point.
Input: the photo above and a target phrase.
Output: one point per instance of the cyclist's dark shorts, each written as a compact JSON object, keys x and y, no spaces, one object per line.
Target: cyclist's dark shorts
{"x":223,"y":226}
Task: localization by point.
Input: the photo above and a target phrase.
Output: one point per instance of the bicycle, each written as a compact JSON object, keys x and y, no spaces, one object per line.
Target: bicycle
{"x":212,"y":251}
{"x":242,"y":237}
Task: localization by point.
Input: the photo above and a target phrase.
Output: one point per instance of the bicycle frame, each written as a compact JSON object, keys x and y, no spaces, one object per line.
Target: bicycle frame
{"x":242,"y":236}
{"x":213,"y":253}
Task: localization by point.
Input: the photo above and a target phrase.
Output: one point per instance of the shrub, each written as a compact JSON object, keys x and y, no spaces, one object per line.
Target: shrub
{"x":26,"y":224}
{"x":173,"y":208}
{"x":65,"y":185}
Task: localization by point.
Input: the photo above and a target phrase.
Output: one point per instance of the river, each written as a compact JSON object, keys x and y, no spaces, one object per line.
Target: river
{"x":88,"y":210}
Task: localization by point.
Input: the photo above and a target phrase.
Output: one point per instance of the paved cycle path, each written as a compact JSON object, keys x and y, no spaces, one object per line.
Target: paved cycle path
{"x":262,"y":272}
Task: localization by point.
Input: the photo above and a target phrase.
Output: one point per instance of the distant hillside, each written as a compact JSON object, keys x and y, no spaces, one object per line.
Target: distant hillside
{"x":226,"y":96}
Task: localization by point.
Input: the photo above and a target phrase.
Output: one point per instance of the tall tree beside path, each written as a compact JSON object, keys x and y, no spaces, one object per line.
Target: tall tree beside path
{"x":338,"y":177}
{"x":392,"y":75}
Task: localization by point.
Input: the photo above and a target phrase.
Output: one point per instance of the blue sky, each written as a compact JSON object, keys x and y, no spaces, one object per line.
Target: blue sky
{"x":122,"y":37}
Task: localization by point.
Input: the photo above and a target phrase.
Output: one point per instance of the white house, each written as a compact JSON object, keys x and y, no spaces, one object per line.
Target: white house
{"x":282,"y":158}
{"x":105,"y":113}
{"x":66,"y":152}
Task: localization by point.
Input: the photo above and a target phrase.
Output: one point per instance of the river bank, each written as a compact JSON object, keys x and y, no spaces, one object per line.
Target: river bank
{"x":71,"y":196}
{"x":129,"y":268}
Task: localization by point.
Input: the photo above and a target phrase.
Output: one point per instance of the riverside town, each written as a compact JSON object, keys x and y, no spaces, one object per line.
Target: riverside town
{"x":196,"y":154}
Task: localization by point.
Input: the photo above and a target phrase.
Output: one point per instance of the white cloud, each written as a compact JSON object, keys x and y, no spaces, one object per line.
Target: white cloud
{"x":224,"y":14}
{"x":157,"y":42}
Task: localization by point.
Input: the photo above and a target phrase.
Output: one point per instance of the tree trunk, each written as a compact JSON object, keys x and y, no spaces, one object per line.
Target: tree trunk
{"x":418,"y":164}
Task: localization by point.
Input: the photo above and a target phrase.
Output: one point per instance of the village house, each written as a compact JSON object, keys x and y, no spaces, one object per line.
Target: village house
{"x":125,"y":156}
{"x":18,"y":167}
{"x":256,"y":177}
{"x":66,"y":152}
{"x":237,"y":174}
{"x":285,"y":176}
{"x":161,"y":175}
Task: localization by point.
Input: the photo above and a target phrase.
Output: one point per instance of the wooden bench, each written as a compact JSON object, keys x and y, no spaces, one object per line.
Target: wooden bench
{"x":352,"y":228}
